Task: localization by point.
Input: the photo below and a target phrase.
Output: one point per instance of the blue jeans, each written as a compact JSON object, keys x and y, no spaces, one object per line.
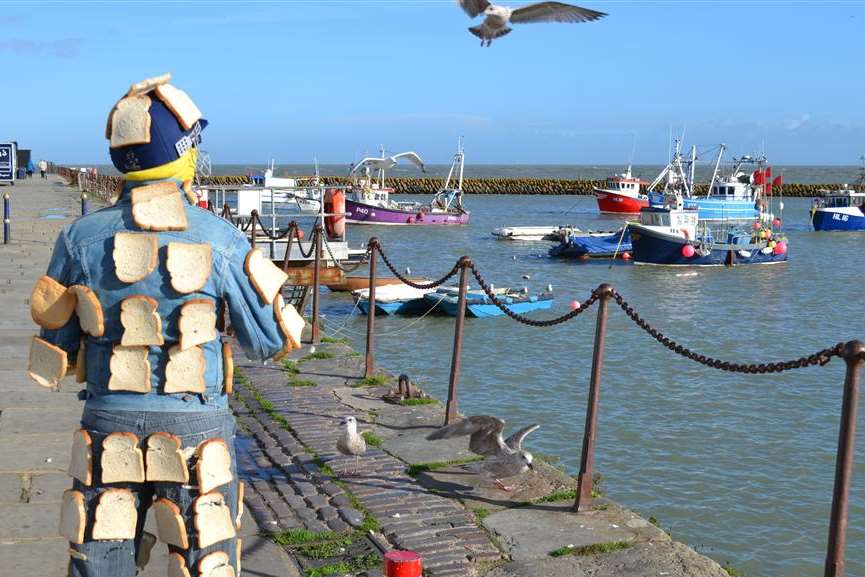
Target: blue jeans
{"x":118,"y":558}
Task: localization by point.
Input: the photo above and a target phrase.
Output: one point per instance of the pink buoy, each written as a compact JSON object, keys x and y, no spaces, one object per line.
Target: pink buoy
{"x":780,"y":248}
{"x":776,"y":223}
{"x":626,"y":255}
{"x":688,"y":251}
{"x":575,"y":305}
{"x":411,"y":220}
{"x":756,"y":226}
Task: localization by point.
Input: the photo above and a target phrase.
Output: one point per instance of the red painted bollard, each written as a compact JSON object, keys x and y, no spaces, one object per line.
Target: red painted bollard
{"x":402,"y":564}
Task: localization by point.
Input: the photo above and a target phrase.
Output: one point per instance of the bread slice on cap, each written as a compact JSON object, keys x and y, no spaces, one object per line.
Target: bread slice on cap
{"x":142,"y":325}
{"x":215,"y":564}
{"x":115,"y":516}
{"x":135,"y":255}
{"x":48,"y":363}
{"x":213,"y":465}
{"x":130,"y":369}
{"x":189,"y":266}
{"x":81,"y":363}
{"x":81,"y":461}
{"x":169,"y":523}
{"x":266,"y":277}
{"x":197,"y":323}
{"x":165,"y":460}
{"x":158,"y":207}
{"x":89,"y":310}
{"x":212,"y":519}
{"x":130,"y":121}
{"x":73,"y":517}
{"x":177,"y":566}
{"x":180,"y":105}
{"x":290,"y":323}
{"x":51,"y":303}
{"x":149,"y":84}
{"x":185,"y":370}
{"x":227,"y":369}
{"x":122,"y":461}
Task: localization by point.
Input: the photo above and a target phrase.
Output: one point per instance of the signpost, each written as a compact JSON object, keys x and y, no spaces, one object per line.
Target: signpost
{"x":7,"y":162}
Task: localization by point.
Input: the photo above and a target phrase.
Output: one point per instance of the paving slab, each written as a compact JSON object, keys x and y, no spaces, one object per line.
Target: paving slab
{"x":16,"y":421}
{"x":44,"y":558}
{"x":28,"y":521}
{"x":36,"y":452}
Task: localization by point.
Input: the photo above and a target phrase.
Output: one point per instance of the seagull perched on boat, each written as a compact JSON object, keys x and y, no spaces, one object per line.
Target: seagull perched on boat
{"x":498,"y":17}
{"x":387,"y":162}
{"x":502,"y":457}
{"x":350,"y":442}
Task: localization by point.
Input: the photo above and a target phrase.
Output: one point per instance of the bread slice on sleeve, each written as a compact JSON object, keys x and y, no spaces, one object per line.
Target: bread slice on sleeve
{"x":116,"y":516}
{"x":165,"y":460}
{"x":177,"y":566}
{"x":227,"y":369}
{"x":158,"y":207}
{"x":122,"y":461}
{"x":212,"y":519}
{"x":73,"y":517}
{"x":81,"y":363}
{"x":51,"y":303}
{"x":169,"y":523}
{"x":81,"y":461}
{"x":189,"y":266}
{"x":135,"y":255}
{"x":213,"y":464}
{"x":215,"y":564}
{"x":142,"y":325}
{"x":48,"y":363}
{"x":130,"y":369}
{"x":290,"y":323}
{"x":185,"y":370}
{"x":89,"y":310}
{"x":197,"y":323}
{"x":266,"y":277}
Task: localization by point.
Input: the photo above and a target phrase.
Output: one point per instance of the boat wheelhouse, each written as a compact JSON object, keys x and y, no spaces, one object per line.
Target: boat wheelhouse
{"x":621,"y":195}
{"x":841,"y":210}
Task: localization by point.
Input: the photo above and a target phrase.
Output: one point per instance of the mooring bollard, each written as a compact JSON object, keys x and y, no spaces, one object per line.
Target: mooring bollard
{"x":452,"y":409}
{"x":7,"y":218}
{"x":316,"y":284}
{"x":854,"y":351}
{"x":370,"y":315}
{"x":84,"y":204}
{"x":587,"y":461}
{"x":404,"y":387}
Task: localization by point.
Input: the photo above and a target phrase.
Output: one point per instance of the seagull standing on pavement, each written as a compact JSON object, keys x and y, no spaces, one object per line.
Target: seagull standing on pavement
{"x":350,"y":442}
{"x":497,"y":18}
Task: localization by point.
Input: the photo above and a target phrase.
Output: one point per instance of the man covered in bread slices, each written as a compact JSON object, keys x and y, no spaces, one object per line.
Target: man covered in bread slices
{"x":131,"y":300}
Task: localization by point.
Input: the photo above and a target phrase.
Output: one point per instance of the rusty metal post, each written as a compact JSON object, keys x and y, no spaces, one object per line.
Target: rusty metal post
{"x":404,"y":386}
{"x":587,"y":461}
{"x":7,"y":218}
{"x":254,"y":216}
{"x":854,"y":355}
{"x":370,"y":315}
{"x":316,"y":285}
{"x":452,"y":409}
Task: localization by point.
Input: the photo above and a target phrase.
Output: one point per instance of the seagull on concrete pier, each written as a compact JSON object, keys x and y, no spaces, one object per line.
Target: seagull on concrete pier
{"x":350,"y":442}
{"x":502,"y":457}
{"x":497,"y":18}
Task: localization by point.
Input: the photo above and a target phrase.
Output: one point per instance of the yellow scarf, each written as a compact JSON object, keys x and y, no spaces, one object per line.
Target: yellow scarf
{"x":182,"y":169}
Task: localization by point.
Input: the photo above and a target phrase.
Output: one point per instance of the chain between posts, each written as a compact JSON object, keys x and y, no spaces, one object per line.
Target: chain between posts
{"x":409,"y":282}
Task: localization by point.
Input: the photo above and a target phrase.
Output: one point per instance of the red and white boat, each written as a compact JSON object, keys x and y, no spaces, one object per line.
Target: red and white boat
{"x":621,"y":195}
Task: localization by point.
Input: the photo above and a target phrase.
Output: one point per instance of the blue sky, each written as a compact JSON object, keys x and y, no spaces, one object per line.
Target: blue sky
{"x":293,"y":79}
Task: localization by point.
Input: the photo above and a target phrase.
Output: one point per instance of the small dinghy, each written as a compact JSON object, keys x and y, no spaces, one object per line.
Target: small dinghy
{"x":394,"y":299}
{"x":478,"y":304}
{"x":594,"y":245}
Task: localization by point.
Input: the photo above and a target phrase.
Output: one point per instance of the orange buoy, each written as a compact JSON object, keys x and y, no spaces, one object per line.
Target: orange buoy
{"x":334,"y":202}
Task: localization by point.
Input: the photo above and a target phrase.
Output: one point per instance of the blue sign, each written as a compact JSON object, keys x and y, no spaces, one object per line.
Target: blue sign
{"x":7,"y":161}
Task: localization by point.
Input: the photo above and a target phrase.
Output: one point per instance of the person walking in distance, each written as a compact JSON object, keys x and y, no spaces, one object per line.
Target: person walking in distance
{"x":43,"y":168}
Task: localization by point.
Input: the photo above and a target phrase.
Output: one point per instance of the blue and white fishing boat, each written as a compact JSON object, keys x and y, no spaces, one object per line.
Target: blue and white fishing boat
{"x":841,"y":210}
{"x":593,"y":244}
{"x":478,"y":304}
{"x":397,"y":299}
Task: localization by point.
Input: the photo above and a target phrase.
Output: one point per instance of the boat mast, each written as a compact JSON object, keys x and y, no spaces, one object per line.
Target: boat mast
{"x":693,"y":166}
{"x":381,"y":169}
{"x":717,"y":165}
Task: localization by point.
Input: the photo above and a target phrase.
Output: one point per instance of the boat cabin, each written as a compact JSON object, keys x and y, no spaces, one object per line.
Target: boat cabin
{"x":731,"y":189}
{"x":843,"y":198}
{"x":624,"y":183}
{"x":671,"y":220}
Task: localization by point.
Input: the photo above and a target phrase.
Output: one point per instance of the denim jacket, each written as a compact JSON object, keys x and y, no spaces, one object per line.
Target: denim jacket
{"x":83,"y":255}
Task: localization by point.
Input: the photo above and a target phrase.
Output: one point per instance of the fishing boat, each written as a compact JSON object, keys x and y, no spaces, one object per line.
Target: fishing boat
{"x":369,"y":201}
{"x":594,"y":245}
{"x":842,"y":209}
{"x":534,"y":233}
{"x":479,"y":305}
{"x":621,"y":195}
{"x":394,"y":299}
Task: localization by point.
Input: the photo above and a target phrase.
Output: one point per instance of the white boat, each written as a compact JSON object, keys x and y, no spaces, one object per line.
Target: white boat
{"x":533,"y":233}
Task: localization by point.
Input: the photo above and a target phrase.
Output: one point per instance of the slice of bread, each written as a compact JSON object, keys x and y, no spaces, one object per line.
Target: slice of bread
{"x":213,"y":465}
{"x":265,"y":276}
{"x":149,"y":84}
{"x":227,"y":369}
{"x":122,"y":461}
{"x":165,"y":460}
{"x":51,"y":303}
{"x":73,"y":518}
{"x":169,"y":523}
{"x":237,"y":520}
{"x":215,"y":564}
{"x":212,"y":519}
{"x":290,"y":323}
{"x":47,"y":363}
{"x":130,"y":369}
{"x":197,"y":323}
{"x":142,"y":325}
{"x":185,"y":370}
{"x":116,"y":516}
{"x":81,"y":363}
{"x":81,"y":462}
{"x":177,"y":566}
{"x":89,"y":310}
{"x":130,"y":121}
{"x":158,"y":207}
{"x":189,"y":266}
{"x":135,"y":255}
{"x":180,"y":105}
{"x":142,"y":557}
{"x":239,"y":544}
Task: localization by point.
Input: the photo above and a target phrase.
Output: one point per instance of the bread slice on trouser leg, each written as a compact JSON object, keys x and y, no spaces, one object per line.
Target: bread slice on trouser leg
{"x":142,"y":325}
{"x":177,"y":566}
{"x":185,"y":370}
{"x":158,"y":207}
{"x":213,"y":465}
{"x":238,"y":519}
{"x":116,"y":516}
{"x":227,"y":369}
{"x":265,"y":276}
{"x":130,"y":369}
{"x":81,"y":461}
{"x":81,"y":363}
{"x":169,"y":523}
{"x":212,"y":519}
{"x":122,"y":461}
{"x":135,"y":255}
{"x":239,"y":552}
{"x":165,"y":459}
{"x":142,"y":557}
{"x":51,"y":303}
{"x":197,"y":323}
{"x":48,"y":363}
{"x":216,"y":564}
{"x":89,"y":310}
{"x":189,"y":266}
{"x":73,"y":517}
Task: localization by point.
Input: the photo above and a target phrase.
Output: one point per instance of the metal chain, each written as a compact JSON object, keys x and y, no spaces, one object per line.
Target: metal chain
{"x":374,"y":245}
{"x":818,"y":358}
{"x":340,"y":266}
{"x":311,"y":250}
{"x":269,"y":233}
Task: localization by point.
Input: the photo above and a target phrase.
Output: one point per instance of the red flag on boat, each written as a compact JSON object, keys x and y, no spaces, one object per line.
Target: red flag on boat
{"x":768,"y":173}
{"x":757,"y":177}
{"x":779,"y":180}
{"x":767,"y":188}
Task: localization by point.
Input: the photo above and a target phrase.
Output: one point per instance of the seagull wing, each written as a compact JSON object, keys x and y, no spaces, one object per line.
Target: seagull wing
{"x":554,"y":12}
{"x":373,"y":161}
{"x":485,"y":434}
{"x":473,"y":7}
{"x":515,"y":441}
{"x":413,"y":157}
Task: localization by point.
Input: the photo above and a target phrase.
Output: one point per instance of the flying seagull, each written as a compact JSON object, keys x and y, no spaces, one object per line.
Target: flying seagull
{"x":350,"y":442}
{"x":498,"y":17}
{"x":502,"y":457}
{"x":387,"y":162}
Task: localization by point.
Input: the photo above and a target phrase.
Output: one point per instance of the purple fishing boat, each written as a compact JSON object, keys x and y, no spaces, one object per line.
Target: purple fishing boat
{"x":369,"y":202}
